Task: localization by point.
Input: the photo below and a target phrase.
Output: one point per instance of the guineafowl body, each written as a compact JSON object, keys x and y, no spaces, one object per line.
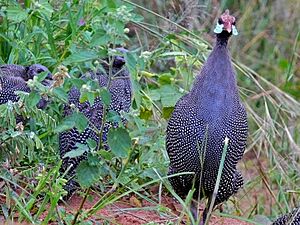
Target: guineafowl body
{"x":14,"y":77}
{"x":201,"y":121}
{"x":120,"y":90}
{"x":292,"y":218}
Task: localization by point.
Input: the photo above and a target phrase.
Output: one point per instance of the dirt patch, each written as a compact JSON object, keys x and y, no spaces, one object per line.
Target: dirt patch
{"x":133,"y":211}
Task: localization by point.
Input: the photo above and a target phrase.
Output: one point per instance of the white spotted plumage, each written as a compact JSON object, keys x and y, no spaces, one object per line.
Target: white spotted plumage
{"x":120,"y":90}
{"x":201,"y":121}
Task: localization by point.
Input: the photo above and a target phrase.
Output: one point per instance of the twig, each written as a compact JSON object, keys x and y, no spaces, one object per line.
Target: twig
{"x":80,"y":207}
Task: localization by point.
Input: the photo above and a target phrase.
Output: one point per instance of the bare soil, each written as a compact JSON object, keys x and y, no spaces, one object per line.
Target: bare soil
{"x":132,"y":211}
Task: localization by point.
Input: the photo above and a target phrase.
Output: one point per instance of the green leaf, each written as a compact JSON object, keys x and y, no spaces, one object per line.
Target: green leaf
{"x":105,"y":96}
{"x":77,"y":82}
{"x":91,"y":143}
{"x":111,"y":4}
{"x":45,"y":8}
{"x":83,"y":97}
{"x":80,"y":150}
{"x":100,"y":38}
{"x":91,"y":97}
{"x":169,"y":95}
{"x":16,"y":14}
{"x":38,"y":142}
{"x":154,"y":95}
{"x":165,"y":79}
{"x":93,"y":160}
{"x":77,"y":119}
{"x":137,"y":18}
{"x":167,"y":112}
{"x":51,"y":41}
{"x":130,"y":62}
{"x":33,"y":99}
{"x":60,"y":93}
{"x":65,"y":125}
{"x":119,"y":26}
{"x":80,"y":121}
{"x":82,"y":56}
{"x":119,"y":142}
{"x":87,"y":175}
{"x":42,"y":76}
{"x":106,"y":154}
{"x":137,"y":93}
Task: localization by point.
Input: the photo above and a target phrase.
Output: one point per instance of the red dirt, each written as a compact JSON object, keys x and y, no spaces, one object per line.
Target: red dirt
{"x":131,"y":211}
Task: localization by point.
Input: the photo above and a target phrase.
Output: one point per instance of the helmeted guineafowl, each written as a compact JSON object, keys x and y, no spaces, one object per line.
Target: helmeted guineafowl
{"x":120,"y":90}
{"x":292,"y":218}
{"x":201,"y":121}
{"x":14,"y":77}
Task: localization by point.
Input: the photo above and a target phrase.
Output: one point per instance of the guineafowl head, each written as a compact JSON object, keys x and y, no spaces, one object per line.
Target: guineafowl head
{"x":226,"y":24}
{"x":119,"y":60}
{"x":34,"y":70}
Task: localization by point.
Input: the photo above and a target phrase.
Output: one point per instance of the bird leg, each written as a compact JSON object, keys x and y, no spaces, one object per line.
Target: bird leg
{"x":204,"y":217}
{"x":194,"y":210}
{"x":206,"y":210}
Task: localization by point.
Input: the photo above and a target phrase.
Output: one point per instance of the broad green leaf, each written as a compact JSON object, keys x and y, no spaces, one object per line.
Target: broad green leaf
{"x":113,"y":116}
{"x":91,"y":97}
{"x":106,"y":154}
{"x":82,"y":56}
{"x":45,"y":8}
{"x":80,"y":121}
{"x":16,"y":14}
{"x":137,"y":18}
{"x":119,"y":142}
{"x":91,"y":143}
{"x":87,"y":175}
{"x":42,"y":76}
{"x":49,"y":31}
{"x":100,"y":38}
{"x":93,"y":160}
{"x":130,"y":62}
{"x":33,"y":99}
{"x":169,"y":95}
{"x":38,"y":142}
{"x":77,"y":82}
{"x":105,"y":96}
{"x":154,"y":94}
{"x":61,"y":93}
{"x":136,"y":92}
{"x":65,"y":125}
{"x":80,"y":150}
{"x":165,"y":79}
{"x":119,"y":27}
{"x":83,"y":97}
{"x":167,"y":112}
{"x":111,"y":4}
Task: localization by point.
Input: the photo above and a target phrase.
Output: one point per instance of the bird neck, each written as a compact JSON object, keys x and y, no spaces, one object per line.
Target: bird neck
{"x":215,"y":87}
{"x":222,"y":39}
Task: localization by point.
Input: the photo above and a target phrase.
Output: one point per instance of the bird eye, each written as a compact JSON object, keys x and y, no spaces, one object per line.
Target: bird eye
{"x":40,"y":70}
{"x":220,"y":21}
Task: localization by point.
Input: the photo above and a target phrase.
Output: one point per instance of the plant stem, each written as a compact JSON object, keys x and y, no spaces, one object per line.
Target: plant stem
{"x":80,"y":207}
